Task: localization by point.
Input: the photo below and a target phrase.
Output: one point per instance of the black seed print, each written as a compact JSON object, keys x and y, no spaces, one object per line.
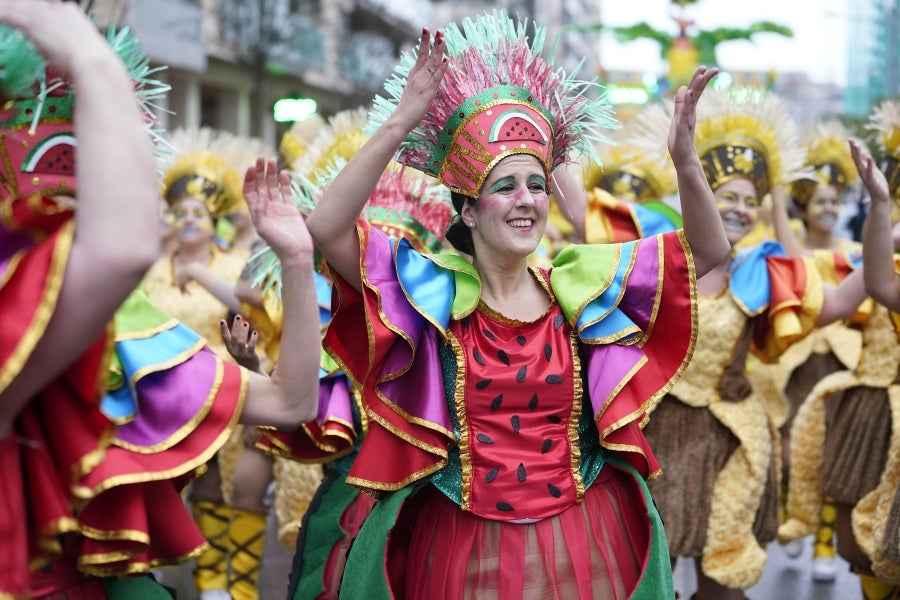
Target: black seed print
{"x":515,"y":423}
{"x":478,"y":357}
{"x":521,"y":340}
{"x":489,"y":335}
{"x":492,"y":475}
{"x":545,"y":447}
{"x":465,"y":321}
{"x":554,"y":491}
{"x":503,"y":356}
{"x":554,"y":418}
{"x":548,"y":351}
{"x":558,"y":321}
{"x":520,"y":473}
{"x":504,"y":507}
{"x":532,"y":404}
{"x":520,"y":375}
{"x":484,"y":439}
{"x":554,"y":379}
{"x":482,"y":384}
{"x":496,"y":402}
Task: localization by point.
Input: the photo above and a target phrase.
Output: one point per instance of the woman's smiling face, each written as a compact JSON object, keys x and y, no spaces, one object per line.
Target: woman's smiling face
{"x":192,"y":221}
{"x":823,"y":209}
{"x":511,"y":212}
{"x":738,"y":206}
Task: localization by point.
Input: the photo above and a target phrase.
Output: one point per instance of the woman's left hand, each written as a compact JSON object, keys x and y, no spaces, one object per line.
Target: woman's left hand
{"x":681,"y":132}
{"x":277,"y":220}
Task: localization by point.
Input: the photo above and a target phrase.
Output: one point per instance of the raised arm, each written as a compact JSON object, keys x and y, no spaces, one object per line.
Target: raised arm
{"x":878,"y":247}
{"x":781,"y":221}
{"x":289,"y":397}
{"x":115,"y":241}
{"x":702,"y":223}
{"x":841,"y":301}
{"x":332,"y":222}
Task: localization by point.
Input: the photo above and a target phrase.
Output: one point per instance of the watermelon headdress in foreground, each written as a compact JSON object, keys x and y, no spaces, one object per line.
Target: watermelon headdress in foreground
{"x":498,"y":97}
{"x":37,"y":111}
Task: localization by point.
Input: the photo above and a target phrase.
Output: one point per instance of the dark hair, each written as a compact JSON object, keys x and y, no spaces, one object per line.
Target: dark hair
{"x":458,"y":234}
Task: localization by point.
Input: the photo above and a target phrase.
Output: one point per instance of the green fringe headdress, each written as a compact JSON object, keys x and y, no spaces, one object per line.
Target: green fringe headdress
{"x":499,"y":96}
{"x":37,"y":111}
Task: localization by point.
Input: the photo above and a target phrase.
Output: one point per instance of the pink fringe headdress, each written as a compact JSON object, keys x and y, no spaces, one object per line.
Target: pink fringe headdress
{"x":499,"y":96}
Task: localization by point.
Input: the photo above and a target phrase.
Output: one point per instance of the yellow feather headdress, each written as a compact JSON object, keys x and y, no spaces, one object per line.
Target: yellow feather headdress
{"x":749,"y":134}
{"x":296,"y":140}
{"x":885,"y":123}
{"x":209,"y":165}
{"x":828,"y":153}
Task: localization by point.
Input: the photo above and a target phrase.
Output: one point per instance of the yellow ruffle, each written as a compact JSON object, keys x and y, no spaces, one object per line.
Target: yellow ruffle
{"x":295,"y":485}
{"x":871,"y":512}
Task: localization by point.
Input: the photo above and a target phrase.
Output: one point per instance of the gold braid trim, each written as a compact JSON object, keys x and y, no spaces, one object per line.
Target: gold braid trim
{"x":732,"y":556}
{"x":870,"y":514}
{"x":804,"y":500}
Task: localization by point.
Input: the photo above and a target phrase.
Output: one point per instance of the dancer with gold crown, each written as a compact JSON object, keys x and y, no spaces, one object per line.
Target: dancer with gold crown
{"x":105,"y":419}
{"x":478,"y":477}
{"x":714,"y":436}
{"x":846,"y":435}
{"x":836,"y":347}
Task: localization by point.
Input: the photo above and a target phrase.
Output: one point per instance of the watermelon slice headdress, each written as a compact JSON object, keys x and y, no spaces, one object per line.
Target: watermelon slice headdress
{"x":499,"y":96}
{"x":38,"y":135}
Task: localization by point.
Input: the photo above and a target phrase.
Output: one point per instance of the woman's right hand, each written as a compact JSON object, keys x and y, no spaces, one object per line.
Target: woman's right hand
{"x":423,"y":80}
{"x":60,"y":30}
{"x":277,"y":220}
{"x":872,"y":177}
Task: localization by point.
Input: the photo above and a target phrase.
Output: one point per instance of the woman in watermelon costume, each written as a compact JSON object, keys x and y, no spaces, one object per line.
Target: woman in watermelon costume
{"x":846,"y":435}
{"x":505,"y":404}
{"x":715,"y":436}
{"x":90,"y":483}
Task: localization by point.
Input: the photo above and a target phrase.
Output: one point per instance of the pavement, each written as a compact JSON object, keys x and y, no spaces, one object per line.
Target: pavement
{"x":783,"y":578}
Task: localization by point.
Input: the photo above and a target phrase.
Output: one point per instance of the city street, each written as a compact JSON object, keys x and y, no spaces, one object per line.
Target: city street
{"x":783,"y":579}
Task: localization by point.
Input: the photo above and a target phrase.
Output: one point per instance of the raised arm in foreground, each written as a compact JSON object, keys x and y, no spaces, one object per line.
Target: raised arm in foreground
{"x":290,"y":396}
{"x":113,"y":245}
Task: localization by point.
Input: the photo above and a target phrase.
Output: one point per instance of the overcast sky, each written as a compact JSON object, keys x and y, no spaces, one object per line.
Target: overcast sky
{"x":819,"y":45}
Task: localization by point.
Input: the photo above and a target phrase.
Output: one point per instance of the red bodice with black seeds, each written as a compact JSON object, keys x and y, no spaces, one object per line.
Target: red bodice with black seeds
{"x":518,"y":411}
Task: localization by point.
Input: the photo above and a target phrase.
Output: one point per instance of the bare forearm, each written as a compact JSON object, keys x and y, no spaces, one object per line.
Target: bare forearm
{"x":219,"y":287}
{"x":332,"y":222}
{"x":290,"y":396}
{"x":841,"y":301}
{"x":702,"y":223}
{"x":878,"y":255}
{"x":117,"y":187}
{"x":782,"y":223}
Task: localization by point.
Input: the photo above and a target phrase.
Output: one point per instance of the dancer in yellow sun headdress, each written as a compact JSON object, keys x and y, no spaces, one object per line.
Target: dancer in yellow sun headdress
{"x":846,"y":435}
{"x":715,"y":439}
{"x":834,"y":348}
